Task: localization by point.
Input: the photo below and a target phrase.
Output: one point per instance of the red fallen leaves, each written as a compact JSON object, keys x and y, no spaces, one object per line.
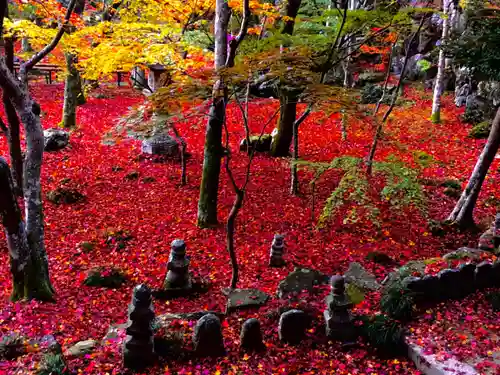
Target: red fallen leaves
{"x":158,"y":212}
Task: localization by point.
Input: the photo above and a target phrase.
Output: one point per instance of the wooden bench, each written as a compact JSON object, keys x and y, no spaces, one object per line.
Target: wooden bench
{"x":45,"y":69}
{"x":48,"y":69}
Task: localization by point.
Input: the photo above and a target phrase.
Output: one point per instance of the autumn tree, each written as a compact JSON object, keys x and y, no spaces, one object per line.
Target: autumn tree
{"x":25,"y":238}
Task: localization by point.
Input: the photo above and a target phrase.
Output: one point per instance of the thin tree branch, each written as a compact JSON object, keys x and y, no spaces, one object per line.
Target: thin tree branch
{"x":234,"y":44}
{"x":37,"y":57}
{"x":387,"y":76}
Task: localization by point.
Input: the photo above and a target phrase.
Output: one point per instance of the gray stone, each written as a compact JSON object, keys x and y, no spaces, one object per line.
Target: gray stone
{"x":245,"y":298}
{"x":207,"y":337}
{"x":81,"y":348}
{"x":358,"y":276}
{"x":196,"y":315}
{"x":251,"y":337}
{"x":484,"y":277}
{"x":55,"y":139}
{"x":162,"y":144}
{"x":113,"y":333}
{"x":292,"y":326}
{"x":299,"y":280}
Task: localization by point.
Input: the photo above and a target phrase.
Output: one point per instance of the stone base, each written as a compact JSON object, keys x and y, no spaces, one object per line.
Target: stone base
{"x":344,"y":332}
{"x":173,"y":292}
{"x":276,"y":262}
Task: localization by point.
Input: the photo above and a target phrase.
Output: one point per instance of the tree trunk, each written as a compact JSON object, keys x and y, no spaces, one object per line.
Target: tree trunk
{"x":284,"y":136}
{"x":288,"y":103}
{"x":439,"y":86}
{"x":207,"y":204}
{"x":294,"y":188}
{"x":73,"y":94}
{"x":29,"y":277}
{"x":13,"y":121}
{"x":462,"y":214}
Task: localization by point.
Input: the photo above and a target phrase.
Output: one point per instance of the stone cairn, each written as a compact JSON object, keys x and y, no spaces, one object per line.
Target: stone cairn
{"x":277,"y":250}
{"x":138,"y":350}
{"x":178,"y":278}
{"x":338,"y":318}
{"x":207,"y":337}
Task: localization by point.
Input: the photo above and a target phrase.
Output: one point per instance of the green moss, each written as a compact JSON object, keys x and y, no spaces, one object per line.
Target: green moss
{"x":454,"y":184}
{"x":481,"y":130}
{"x":86,"y":246}
{"x":53,"y":364}
{"x":451,"y":192}
{"x":423,"y":159}
{"x":436,"y":118}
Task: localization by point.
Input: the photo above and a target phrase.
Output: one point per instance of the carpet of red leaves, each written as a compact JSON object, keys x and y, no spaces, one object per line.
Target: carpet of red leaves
{"x":157,"y":212}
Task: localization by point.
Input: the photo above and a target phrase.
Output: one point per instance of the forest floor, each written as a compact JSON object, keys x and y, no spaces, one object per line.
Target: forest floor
{"x":156,"y":212}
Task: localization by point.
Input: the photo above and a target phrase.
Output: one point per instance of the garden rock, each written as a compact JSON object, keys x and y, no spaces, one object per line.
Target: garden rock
{"x":358,"y":276}
{"x":196,"y":315}
{"x":81,"y":348}
{"x":487,"y":241}
{"x":162,"y":144}
{"x":260,"y":144}
{"x":450,"y":284}
{"x":299,"y":280}
{"x":55,"y":139}
{"x":207,"y":337}
{"x":484,"y":275}
{"x":12,"y":346}
{"x":251,"y":336}
{"x":246,"y":298}
{"x":466,"y":273}
{"x":370,"y":77}
{"x":464,"y":252}
{"x":292,"y":326}
{"x":64,"y":195}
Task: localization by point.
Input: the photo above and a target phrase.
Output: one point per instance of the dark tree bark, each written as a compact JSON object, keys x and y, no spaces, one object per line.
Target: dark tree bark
{"x":462,"y":214}
{"x":29,"y":273}
{"x":14,"y":138}
{"x":288,"y":103}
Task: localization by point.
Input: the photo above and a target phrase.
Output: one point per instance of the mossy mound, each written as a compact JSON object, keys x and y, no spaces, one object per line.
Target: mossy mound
{"x":261,"y":144}
{"x":107,"y":277}
{"x":64,"y":195}
{"x":481,"y":130}
{"x":378,"y":257}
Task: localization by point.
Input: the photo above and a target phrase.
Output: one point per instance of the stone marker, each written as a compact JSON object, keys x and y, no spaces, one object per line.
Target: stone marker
{"x":207,"y":337}
{"x":178,"y":278}
{"x":251,"y":337}
{"x":450,"y":287}
{"x":292,"y":326}
{"x":138,"y":348}
{"x":338,"y":318}
{"x":277,"y":250}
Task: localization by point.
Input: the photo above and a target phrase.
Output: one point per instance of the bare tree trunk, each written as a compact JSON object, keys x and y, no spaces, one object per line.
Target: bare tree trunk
{"x":288,"y":102}
{"x":439,"y":86}
{"x":294,"y":189}
{"x":462,"y":214}
{"x":213,"y":152}
{"x":73,"y":93}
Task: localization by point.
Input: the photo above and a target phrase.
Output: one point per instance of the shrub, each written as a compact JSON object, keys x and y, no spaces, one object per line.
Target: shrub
{"x":384,"y":334}
{"x":454,"y":184}
{"x":371,"y":94}
{"x":481,"y":130}
{"x":397,"y":300}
